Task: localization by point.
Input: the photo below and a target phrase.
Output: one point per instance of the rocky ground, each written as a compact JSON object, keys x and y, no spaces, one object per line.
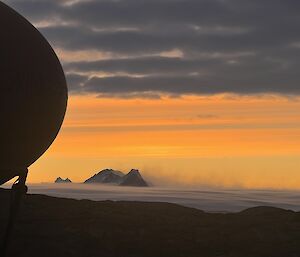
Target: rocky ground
{"x":49,"y":226}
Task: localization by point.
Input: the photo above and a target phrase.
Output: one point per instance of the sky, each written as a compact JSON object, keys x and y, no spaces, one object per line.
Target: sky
{"x":193,"y":92}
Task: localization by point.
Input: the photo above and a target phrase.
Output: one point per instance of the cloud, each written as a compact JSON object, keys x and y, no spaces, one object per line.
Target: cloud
{"x":218,"y":46}
{"x":77,"y":81}
{"x":183,"y":85}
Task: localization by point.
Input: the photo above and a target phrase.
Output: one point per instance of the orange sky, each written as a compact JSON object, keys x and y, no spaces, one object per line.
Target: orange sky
{"x":223,"y":140}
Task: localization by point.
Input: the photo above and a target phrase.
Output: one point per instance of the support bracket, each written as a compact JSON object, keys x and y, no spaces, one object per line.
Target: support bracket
{"x":18,"y":189}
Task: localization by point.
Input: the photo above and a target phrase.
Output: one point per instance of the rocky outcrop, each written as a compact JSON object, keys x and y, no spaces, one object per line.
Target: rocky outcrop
{"x":60,"y":180}
{"x":134,"y":178}
{"x":107,"y":176}
{"x":110,"y":176}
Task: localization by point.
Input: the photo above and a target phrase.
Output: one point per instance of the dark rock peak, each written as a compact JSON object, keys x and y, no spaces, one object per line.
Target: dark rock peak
{"x":134,"y":178}
{"x":116,"y":172}
{"x":60,"y":180}
{"x":106,"y":176}
{"x":135,"y":171}
{"x":110,"y":176}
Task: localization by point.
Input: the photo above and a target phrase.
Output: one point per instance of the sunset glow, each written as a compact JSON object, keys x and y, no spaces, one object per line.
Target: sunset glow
{"x":229,"y":140}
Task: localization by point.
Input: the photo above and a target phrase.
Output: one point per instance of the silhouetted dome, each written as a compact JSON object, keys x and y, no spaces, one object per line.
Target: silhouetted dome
{"x":33,"y":94}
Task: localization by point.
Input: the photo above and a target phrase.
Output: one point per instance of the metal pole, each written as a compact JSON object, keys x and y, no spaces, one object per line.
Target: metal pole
{"x":17,"y":191}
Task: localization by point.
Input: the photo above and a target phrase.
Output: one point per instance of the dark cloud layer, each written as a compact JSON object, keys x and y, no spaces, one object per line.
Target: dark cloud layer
{"x":175,"y":47}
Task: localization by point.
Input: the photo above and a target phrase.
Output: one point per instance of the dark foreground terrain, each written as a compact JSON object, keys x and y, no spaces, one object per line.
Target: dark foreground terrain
{"x":49,"y":226}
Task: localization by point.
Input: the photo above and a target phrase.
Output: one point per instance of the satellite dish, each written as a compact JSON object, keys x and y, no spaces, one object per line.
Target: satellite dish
{"x":33,"y":97}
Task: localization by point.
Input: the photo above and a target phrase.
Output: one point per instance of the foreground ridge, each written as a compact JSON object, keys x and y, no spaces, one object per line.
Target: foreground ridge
{"x":67,"y":227}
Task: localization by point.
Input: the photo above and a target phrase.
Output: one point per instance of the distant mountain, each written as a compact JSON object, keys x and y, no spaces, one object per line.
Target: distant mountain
{"x":60,"y":180}
{"x":109,"y":176}
{"x":133,"y":178}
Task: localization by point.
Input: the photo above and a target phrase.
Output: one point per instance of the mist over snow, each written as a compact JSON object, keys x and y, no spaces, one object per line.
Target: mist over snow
{"x":204,"y":198}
